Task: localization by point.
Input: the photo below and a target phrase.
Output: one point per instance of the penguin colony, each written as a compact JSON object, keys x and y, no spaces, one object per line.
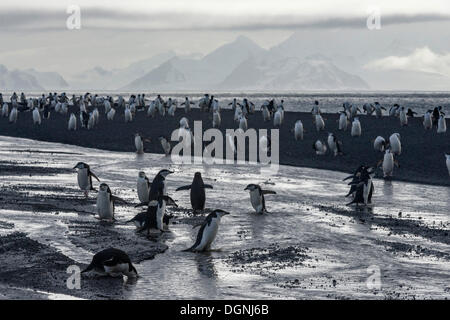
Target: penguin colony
{"x":153,"y":193}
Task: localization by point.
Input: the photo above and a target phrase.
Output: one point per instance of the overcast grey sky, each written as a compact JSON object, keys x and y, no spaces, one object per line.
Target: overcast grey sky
{"x":116,"y":33}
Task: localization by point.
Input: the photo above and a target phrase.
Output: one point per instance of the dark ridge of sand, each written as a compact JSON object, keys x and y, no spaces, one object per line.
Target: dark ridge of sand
{"x":422,"y":159}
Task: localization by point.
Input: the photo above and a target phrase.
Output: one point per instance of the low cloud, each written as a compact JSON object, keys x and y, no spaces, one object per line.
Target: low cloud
{"x":421,"y":59}
{"x":209,"y":16}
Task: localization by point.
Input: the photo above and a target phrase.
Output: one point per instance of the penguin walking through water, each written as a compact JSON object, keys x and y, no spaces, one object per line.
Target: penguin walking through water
{"x":106,"y":203}
{"x":388,"y":163}
{"x":159,"y":186}
{"x":355,"y":177}
{"x":84,"y":177}
{"x":155,"y":218}
{"x":143,"y":187}
{"x":363,"y":187}
{"x":208,"y":231}
{"x":197,"y":192}
{"x":112,"y":262}
{"x":257,"y":197}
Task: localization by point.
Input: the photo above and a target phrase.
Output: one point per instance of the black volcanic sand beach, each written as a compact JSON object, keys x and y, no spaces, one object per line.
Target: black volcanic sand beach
{"x":422,"y":159}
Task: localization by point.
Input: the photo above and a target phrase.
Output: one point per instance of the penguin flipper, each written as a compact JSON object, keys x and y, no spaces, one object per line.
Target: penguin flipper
{"x":140,"y":204}
{"x":208,"y":186}
{"x":92,"y":174}
{"x":115,"y":198}
{"x":268,"y":192}
{"x":183,"y":188}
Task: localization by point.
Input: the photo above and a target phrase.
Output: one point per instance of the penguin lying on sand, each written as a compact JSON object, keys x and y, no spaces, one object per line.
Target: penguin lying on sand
{"x":112,"y":262}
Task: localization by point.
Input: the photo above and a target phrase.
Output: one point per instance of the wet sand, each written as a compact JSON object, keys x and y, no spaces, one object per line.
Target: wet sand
{"x":422,"y":159}
{"x":297,"y":266}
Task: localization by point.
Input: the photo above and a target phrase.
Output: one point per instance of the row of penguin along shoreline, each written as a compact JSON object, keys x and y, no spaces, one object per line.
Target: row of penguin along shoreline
{"x":422,"y":158}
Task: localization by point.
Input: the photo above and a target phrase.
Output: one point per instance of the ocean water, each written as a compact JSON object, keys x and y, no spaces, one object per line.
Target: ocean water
{"x":330,"y":102}
{"x":309,"y":246}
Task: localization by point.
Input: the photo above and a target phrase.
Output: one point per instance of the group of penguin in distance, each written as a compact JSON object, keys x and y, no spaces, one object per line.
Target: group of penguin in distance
{"x":115,"y":262}
{"x":153,"y":194}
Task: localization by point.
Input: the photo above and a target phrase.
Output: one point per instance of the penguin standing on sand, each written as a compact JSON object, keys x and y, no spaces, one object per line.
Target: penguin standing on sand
{"x":436,"y":114}
{"x":84,"y":177}
{"x":187,"y":104}
{"x":395,"y":144}
{"x":72,"y":126}
{"x":320,"y":124}
{"x":403,"y":117}
{"x":36,"y":116}
{"x":106,"y":203}
{"x":5,"y":110}
{"x":208,"y":231}
{"x":143,"y":187}
{"x":343,"y":121}
{"x":139,"y":143}
{"x":197,"y":194}
{"x":112,"y":262}
{"x":298,"y":130}
{"x":379,"y":110}
{"x":13,"y":115}
{"x":442,"y":126}
{"x":257,"y":197}
{"x":356,"y":128}
{"x":411,"y":113}
{"x":428,"y":120}
{"x":315,"y":109}
{"x":334,"y":144}
{"x":165,"y":144}
{"x":447,"y":162}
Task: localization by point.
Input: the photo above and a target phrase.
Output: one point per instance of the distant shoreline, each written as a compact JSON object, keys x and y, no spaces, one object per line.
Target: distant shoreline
{"x":422,"y":159}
